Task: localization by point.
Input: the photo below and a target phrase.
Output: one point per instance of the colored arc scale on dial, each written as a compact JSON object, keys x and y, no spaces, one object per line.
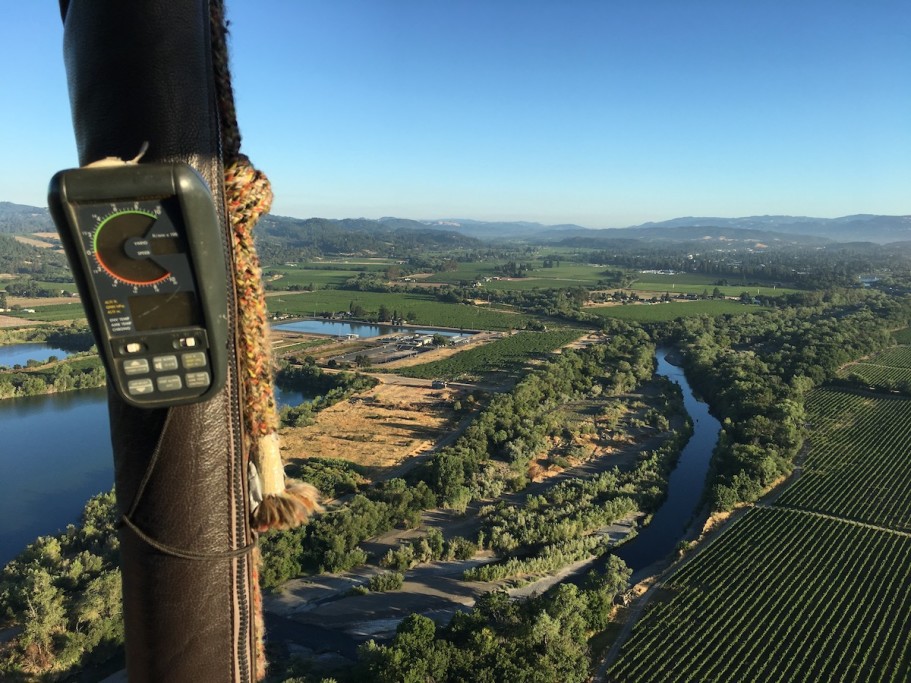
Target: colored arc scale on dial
{"x":127,"y":242}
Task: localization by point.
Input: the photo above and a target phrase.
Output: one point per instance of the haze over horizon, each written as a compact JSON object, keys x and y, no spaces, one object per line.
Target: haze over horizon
{"x":599,"y":114}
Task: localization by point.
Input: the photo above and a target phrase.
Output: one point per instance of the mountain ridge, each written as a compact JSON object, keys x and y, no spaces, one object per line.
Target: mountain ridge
{"x":878,"y":228}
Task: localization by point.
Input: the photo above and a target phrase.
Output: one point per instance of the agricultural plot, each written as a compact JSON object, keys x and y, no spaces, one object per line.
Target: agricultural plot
{"x":503,"y":355}
{"x":671,"y":311}
{"x":889,"y":369}
{"x":902,"y":336}
{"x":52,"y":312}
{"x":859,"y":466}
{"x":417,"y":308}
{"x":59,"y":286}
{"x":556,"y":277}
{"x":692,"y":283}
{"x":285,"y":278}
{"x":466,"y":272}
{"x":321,"y":273}
{"x":879,"y":375}
{"x":785,"y":596}
{"x":896,"y":357}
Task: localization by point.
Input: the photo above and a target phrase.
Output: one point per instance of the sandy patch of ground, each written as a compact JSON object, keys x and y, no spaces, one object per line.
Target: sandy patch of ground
{"x":379,"y":428}
{"x":10,"y":321}
{"x":32,"y":302}
{"x":34,"y":243}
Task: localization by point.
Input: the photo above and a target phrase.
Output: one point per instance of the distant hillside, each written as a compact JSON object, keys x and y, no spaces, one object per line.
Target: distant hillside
{"x":778,"y":229}
{"x":19,"y":218}
{"x":355,"y":235}
{"x":718,"y":238}
{"x":862,"y":227}
{"x":351,"y":235}
{"x":497,"y":230}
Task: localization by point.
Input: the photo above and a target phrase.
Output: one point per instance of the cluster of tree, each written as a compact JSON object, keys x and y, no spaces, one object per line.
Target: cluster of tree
{"x":387,"y":581}
{"x":549,"y":558}
{"x":64,"y":594}
{"x":429,"y":548}
{"x":548,"y":531}
{"x":332,"y":477}
{"x":371,"y":282}
{"x":330,"y":542}
{"x":563,"y":303}
{"x":85,"y":373}
{"x":328,"y":388}
{"x":74,"y":338}
{"x":22,"y":335}
{"x":515,"y":426}
{"x":541,"y":639}
{"x":514,"y":269}
{"x":30,"y":288}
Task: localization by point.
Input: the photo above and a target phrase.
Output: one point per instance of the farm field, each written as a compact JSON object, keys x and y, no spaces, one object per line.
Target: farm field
{"x":417,"y":308}
{"x":496,"y":358}
{"x":816,"y":587}
{"x":672,"y":310}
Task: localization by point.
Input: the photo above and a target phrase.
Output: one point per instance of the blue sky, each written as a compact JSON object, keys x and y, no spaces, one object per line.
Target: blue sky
{"x":604,"y":113}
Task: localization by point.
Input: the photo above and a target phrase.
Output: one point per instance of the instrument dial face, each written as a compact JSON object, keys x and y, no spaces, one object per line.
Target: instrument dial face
{"x":135,"y":244}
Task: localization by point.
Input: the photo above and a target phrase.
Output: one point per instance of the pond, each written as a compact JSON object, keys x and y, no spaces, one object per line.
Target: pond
{"x":56,"y":455}
{"x":288,"y":398}
{"x":20,"y":354}
{"x":363,"y":330}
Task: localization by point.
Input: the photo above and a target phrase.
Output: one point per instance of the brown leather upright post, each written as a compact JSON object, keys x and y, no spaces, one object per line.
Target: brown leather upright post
{"x":141,"y":70}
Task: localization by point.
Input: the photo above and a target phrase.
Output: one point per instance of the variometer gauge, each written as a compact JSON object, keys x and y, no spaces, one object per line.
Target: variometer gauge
{"x":144,"y":244}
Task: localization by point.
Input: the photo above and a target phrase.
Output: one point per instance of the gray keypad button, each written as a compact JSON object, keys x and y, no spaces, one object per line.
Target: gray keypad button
{"x":197,"y":380}
{"x":164,"y":363}
{"x":135,"y":366}
{"x":197,"y":359}
{"x":169,"y":383}
{"x":137,"y":387}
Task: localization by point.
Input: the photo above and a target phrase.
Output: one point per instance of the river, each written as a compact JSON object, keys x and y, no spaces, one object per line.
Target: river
{"x":686,"y":484}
